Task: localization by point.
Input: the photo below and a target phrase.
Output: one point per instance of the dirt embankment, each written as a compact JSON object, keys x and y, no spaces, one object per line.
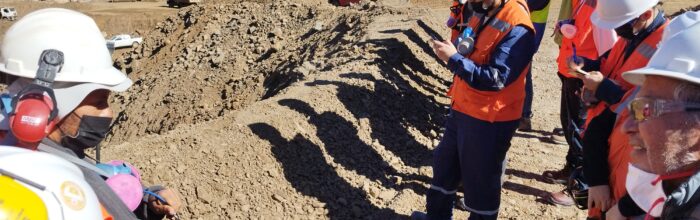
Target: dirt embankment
{"x":282,"y":110}
{"x":223,"y":57}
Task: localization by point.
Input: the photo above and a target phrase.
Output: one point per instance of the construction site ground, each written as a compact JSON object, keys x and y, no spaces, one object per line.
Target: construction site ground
{"x":304,"y":110}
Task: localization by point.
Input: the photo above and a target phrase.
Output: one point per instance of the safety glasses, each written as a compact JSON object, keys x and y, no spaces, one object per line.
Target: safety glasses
{"x":645,"y":108}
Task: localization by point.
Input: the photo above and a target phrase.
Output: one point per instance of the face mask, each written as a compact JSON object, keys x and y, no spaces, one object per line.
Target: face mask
{"x":626,"y":30}
{"x":646,"y":190}
{"x":478,"y":7}
{"x":92,"y":131}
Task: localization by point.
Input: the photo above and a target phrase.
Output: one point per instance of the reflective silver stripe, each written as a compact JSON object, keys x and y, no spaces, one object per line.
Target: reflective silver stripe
{"x":443,"y":191}
{"x":499,"y":25}
{"x":646,"y":50}
{"x":470,"y":209}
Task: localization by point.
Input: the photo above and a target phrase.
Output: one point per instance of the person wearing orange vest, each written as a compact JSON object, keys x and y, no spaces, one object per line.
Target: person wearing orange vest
{"x":663,"y":127}
{"x":619,"y":148}
{"x":490,"y":64}
{"x":577,"y":37}
{"x":640,"y":24}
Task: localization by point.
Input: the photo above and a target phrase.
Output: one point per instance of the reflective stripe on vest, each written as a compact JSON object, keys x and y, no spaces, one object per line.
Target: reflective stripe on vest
{"x":646,"y":50}
{"x":492,"y":106}
{"x":619,"y":147}
{"x":499,"y":25}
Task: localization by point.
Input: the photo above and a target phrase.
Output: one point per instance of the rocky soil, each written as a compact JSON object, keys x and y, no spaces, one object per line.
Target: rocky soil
{"x":303,"y":110}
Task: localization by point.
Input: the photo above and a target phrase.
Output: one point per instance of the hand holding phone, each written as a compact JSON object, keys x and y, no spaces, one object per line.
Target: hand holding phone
{"x":580,"y":71}
{"x":434,"y":37}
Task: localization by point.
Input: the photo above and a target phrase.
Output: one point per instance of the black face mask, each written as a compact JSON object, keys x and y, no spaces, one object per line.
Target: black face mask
{"x":92,"y":131}
{"x":478,"y":7}
{"x":626,"y":30}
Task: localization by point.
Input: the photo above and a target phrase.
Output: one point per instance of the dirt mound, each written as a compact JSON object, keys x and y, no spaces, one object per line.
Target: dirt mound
{"x":696,"y":8}
{"x":212,"y":59}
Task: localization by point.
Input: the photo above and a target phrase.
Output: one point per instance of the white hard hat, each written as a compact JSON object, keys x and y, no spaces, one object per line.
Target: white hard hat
{"x":54,"y":188}
{"x":677,"y":57}
{"x":611,"y":14}
{"x":87,"y":61}
{"x":680,"y":23}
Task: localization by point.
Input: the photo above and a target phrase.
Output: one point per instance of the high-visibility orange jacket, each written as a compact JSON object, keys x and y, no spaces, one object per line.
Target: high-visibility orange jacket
{"x":620,"y":149}
{"x":507,"y":103}
{"x":614,"y":65}
{"x":583,"y":40}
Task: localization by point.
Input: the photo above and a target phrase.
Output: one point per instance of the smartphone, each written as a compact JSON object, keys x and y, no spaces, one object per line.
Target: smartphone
{"x":434,"y":37}
{"x":580,"y":71}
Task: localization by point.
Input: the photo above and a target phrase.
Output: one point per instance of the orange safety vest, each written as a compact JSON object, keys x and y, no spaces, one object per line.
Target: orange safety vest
{"x":458,"y":17}
{"x":620,"y":149}
{"x":583,"y":40}
{"x":614,"y":66}
{"x":492,"y":106}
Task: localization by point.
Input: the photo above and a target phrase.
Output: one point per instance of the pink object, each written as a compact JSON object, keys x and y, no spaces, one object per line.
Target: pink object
{"x":569,"y":31}
{"x":128,"y":188}
{"x":134,"y":171}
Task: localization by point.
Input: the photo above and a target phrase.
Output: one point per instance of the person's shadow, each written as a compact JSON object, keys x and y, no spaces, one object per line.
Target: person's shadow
{"x":307,"y":171}
{"x":390,"y":115}
{"x":340,"y":139}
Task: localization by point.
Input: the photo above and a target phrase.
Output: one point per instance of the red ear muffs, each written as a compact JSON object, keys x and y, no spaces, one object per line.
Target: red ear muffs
{"x":33,"y":115}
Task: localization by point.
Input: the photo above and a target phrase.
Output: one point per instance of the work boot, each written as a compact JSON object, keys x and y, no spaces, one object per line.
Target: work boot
{"x":560,"y":198}
{"x":557,"y":136}
{"x":557,"y":176}
{"x":525,"y":124}
{"x":416,"y":215}
{"x":461,"y":205}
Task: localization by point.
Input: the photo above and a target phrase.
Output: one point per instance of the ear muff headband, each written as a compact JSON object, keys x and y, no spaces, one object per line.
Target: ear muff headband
{"x":34,"y":89}
{"x":50,"y":63}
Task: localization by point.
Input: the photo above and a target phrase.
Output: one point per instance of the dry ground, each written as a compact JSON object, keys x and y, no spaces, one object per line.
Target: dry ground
{"x":301,"y":110}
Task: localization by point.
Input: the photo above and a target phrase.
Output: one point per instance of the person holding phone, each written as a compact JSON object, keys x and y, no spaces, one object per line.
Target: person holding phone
{"x":640,"y":24}
{"x":493,"y":52}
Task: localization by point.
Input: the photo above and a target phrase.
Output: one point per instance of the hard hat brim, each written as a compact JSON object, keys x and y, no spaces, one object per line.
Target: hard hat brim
{"x":637,"y":77}
{"x":70,"y":96}
{"x":604,"y":24}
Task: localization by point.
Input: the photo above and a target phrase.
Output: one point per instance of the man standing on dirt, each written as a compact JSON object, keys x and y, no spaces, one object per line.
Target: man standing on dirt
{"x":575,"y":32}
{"x":495,"y":51}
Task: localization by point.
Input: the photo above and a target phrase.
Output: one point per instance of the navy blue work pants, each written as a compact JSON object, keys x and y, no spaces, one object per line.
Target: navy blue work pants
{"x":473,"y":152}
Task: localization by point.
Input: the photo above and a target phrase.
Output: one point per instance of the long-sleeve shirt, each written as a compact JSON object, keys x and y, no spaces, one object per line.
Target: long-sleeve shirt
{"x":608,"y":91}
{"x":511,"y":56}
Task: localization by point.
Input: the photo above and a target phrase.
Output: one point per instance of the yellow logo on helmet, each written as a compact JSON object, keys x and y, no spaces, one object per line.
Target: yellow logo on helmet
{"x":72,"y":195}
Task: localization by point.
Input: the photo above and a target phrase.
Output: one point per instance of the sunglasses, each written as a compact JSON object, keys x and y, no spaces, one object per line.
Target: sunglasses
{"x":645,"y":108}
